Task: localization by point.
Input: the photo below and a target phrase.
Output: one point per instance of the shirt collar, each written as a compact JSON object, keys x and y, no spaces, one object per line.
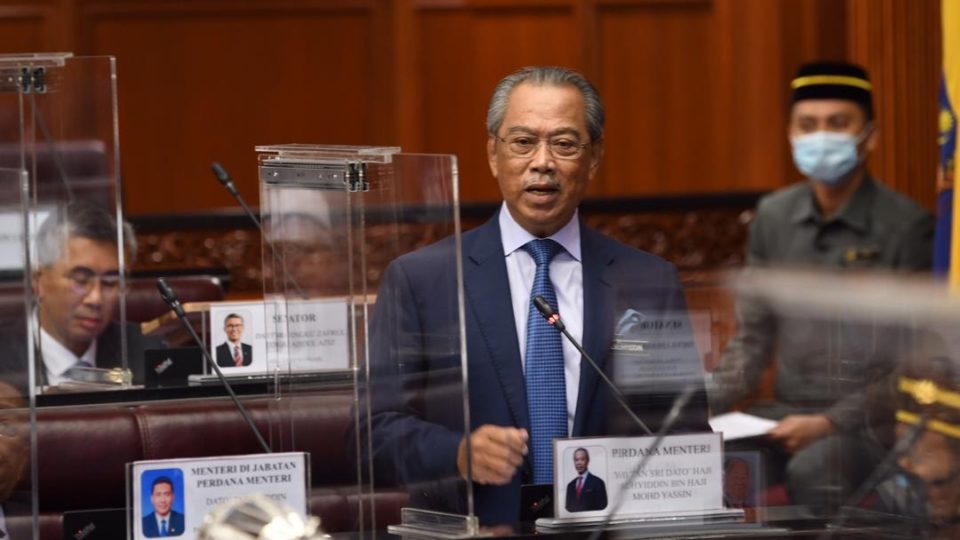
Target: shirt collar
{"x":514,"y":236}
{"x":57,"y":359}
{"x":855,"y":212}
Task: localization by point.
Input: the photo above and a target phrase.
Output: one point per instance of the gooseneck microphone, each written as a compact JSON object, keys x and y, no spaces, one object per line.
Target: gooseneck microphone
{"x":553,"y":318}
{"x":224,"y":177}
{"x":170,"y":297}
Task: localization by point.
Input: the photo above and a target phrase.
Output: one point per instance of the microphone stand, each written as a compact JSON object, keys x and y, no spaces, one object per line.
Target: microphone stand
{"x":166,"y":292}
{"x":224,"y":177}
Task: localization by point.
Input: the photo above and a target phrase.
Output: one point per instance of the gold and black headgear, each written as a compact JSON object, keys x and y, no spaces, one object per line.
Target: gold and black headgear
{"x":834,"y":80}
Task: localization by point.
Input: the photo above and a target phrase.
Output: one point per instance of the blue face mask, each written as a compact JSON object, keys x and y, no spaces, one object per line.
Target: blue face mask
{"x":827,"y":156}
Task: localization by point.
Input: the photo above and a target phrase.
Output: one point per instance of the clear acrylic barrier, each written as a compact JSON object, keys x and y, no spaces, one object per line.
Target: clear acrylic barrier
{"x":334,"y":218}
{"x":64,"y":251}
{"x":857,"y":374}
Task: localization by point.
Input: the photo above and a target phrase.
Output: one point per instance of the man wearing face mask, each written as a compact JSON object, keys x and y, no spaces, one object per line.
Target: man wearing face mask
{"x":839,"y":219}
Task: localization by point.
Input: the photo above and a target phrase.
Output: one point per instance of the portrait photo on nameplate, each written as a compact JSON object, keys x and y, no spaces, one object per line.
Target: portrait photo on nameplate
{"x":596,"y":475}
{"x":171,"y":497}
{"x":238,"y":337}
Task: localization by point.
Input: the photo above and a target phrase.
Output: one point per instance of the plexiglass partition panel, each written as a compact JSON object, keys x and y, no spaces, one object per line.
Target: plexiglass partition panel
{"x":64,"y":248}
{"x":338,"y":221}
{"x":837,"y":393}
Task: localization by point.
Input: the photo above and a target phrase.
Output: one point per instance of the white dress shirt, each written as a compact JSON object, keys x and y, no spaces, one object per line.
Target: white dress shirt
{"x":566,"y":273}
{"x":161,"y":520}
{"x":57,"y":359}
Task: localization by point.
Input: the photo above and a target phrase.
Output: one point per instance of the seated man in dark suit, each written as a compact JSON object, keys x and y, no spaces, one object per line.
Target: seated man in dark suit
{"x":164,"y":520}
{"x":233,"y":352}
{"x":586,"y":492}
{"x":527,"y":386}
{"x":77,"y":285}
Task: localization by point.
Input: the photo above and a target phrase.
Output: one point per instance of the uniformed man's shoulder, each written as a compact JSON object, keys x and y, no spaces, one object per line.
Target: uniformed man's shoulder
{"x":893,"y":205}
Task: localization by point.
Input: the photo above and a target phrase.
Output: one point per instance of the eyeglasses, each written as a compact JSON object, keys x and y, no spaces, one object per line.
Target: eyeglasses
{"x":523,"y":146}
{"x":82,"y":281}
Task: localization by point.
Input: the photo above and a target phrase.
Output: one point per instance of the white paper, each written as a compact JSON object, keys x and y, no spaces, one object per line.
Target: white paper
{"x":738,"y":425}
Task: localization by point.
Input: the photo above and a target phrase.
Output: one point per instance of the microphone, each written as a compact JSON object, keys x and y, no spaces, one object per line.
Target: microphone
{"x":553,"y":318}
{"x":170,"y":297}
{"x":224,"y":177}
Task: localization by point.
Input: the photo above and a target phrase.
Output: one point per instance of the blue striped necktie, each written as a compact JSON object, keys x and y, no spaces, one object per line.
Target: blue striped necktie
{"x":546,"y":389}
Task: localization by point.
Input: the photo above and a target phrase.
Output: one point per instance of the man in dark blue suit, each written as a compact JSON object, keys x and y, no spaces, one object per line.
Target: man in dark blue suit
{"x":545,"y":143}
{"x":586,"y":492}
{"x":164,"y":520}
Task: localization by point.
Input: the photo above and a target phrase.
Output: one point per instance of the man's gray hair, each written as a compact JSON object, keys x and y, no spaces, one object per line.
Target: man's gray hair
{"x":547,"y":76}
{"x":79,"y":219}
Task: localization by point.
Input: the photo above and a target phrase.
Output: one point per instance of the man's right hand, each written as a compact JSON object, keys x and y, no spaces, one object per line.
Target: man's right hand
{"x":497,"y":454}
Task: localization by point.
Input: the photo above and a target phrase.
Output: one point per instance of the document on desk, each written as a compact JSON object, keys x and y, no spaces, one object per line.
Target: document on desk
{"x":738,"y":425}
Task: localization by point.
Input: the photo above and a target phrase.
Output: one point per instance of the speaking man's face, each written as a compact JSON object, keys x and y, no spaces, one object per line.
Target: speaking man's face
{"x":542,"y":190}
{"x":580,"y":461}
{"x":234,"y":328}
{"x":162,"y":498}
{"x":78,"y":292}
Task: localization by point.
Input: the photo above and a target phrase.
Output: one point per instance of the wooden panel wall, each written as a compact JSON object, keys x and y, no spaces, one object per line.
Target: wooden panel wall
{"x":696,"y":90}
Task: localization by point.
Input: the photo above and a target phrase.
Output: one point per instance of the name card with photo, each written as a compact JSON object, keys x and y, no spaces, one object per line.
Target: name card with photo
{"x":295,"y":335}
{"x":172,"y":496}
{"x":595,"y":476}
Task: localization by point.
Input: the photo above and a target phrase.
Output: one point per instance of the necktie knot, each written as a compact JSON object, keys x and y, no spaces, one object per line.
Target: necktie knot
{"x":543,"y":250}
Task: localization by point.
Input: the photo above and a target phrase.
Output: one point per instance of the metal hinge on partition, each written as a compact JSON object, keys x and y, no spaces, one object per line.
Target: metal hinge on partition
{"x":24,"y":80}
{"x":350,"y":176}
{"x":33,"y":80}
{"x":356,"y":179}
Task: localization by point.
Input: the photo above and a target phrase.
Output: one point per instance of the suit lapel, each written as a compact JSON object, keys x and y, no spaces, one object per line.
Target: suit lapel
{"x":598,"y":305}
{"x":487,"y":288}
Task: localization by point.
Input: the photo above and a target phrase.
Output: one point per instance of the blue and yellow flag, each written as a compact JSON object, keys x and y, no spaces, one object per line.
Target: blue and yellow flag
{"x":947,"y":238}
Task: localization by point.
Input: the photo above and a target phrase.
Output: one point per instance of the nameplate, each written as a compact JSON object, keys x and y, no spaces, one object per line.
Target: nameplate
{"x":309,"y":335}
{"x":11,"y":234}
{"x":655,"y":352}
{"x":295,"y":335}
{"x":178,"y":493}
{"x":595,"y":477}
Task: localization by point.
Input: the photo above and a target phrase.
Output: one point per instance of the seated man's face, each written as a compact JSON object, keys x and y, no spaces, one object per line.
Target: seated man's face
{"x":78,"y":293}
{"x":935,"y":461}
